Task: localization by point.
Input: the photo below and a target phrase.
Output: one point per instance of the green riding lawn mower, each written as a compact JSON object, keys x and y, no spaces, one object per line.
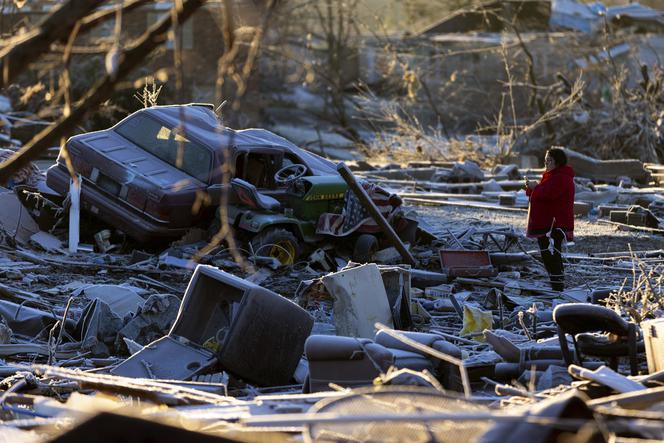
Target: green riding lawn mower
{"x":288,"y":223}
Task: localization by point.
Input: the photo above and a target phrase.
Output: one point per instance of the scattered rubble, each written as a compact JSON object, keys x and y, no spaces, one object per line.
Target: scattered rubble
{"x":453,"y":328}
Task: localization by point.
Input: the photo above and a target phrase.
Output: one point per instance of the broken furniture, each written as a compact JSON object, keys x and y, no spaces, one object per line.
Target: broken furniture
{"x":350,"y":361}
{"x":464,"y":263}
{"x":504,"y":344}
{"x":345,"y":361}
{"x":252,"y":332}
{"x":581,"y":319}
{"x":406,"y":356}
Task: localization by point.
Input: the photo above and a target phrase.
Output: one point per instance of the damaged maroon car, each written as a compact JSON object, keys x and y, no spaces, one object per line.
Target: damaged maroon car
{"x":154,"y":174}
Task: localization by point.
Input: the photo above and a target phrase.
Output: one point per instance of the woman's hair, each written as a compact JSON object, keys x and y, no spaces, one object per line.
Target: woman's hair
{"x":558,"y":156}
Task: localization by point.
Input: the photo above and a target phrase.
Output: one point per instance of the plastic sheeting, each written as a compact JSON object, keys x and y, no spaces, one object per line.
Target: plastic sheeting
{"x":475,"y":321}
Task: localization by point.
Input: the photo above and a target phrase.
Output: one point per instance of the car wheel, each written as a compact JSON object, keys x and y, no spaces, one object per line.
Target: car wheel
{"x":365,"y":247}
{"x":278,"y":243}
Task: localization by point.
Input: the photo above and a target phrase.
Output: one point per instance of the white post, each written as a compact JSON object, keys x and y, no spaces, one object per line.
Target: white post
{"x":74,"y":213}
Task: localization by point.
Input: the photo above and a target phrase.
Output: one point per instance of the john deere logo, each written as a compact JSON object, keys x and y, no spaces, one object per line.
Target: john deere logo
{"x":333,"y":196}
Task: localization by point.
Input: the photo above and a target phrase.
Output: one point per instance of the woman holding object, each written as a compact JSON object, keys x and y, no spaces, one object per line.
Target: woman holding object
{"x":551,"y":212}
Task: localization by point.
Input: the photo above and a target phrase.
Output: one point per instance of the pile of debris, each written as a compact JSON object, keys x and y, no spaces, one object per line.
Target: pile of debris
{"x":443,"y":333}
{"x":468,"y":348}
{"x":621,"y":192}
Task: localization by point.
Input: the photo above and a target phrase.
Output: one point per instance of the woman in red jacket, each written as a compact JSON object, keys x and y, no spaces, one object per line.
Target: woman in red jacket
{"x":551,"y":212}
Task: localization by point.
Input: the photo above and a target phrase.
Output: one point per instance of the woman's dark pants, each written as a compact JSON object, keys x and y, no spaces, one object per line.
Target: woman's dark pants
{"x":553,"y":262}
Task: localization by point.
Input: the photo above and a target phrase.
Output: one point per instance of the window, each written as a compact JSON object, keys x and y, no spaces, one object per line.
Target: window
{"x":168,"y":145}
{"x":258,"y":168}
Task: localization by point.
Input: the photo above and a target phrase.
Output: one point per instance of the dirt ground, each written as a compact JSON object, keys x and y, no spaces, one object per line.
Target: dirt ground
{"x":589,"y":236}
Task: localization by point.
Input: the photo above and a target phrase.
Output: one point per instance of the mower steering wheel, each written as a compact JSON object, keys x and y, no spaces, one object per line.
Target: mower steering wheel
{"x":289,"y":173}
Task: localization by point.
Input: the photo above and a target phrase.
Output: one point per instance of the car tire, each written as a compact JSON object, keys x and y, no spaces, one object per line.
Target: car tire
{"x":366,"y":246}
{"x":279,"y":243}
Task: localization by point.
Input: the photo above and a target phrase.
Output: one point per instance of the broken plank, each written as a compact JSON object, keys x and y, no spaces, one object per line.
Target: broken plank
{"x":632,"y":227}
{"x":495,"y":207}
{"x":156,"y":390}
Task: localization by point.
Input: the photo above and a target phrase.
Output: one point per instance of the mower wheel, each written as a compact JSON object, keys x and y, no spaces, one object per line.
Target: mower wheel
{"x":278,"y":243}
{"x":365,"y":247}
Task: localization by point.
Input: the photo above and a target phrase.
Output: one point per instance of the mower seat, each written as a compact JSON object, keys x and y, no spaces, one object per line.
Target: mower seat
{"x":248,"y":195}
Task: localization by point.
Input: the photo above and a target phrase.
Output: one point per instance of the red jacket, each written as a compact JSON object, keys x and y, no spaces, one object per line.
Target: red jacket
{"x":552,"y":203}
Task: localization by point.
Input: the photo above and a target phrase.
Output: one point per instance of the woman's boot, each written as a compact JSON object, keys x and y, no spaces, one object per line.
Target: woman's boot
{"x":557,"y":272}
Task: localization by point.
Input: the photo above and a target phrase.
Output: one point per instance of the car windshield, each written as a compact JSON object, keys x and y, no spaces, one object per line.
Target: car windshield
{"x":168,"y":145}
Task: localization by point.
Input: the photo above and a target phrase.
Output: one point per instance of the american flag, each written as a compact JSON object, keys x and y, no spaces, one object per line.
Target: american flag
{"x":353,"y":215}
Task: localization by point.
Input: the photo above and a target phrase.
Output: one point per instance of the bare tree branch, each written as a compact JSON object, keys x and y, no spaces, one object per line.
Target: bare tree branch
{"x":98,"y":17}
{"x":130,"y":59}
{"x":57,"y":26}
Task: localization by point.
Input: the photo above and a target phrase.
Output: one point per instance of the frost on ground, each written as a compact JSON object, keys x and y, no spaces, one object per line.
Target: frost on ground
{"x":589,"y":237}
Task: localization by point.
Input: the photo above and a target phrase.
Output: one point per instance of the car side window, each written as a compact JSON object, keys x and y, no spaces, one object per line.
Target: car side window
{"x":169,"y":145}
{"x":258,"y":168}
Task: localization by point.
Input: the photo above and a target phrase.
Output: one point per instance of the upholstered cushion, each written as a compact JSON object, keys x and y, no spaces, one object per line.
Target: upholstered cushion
{"x":432,"y":340}
{"x":332,"y":348}
{"x":599,"y":345}
{"x":411,"y":360}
